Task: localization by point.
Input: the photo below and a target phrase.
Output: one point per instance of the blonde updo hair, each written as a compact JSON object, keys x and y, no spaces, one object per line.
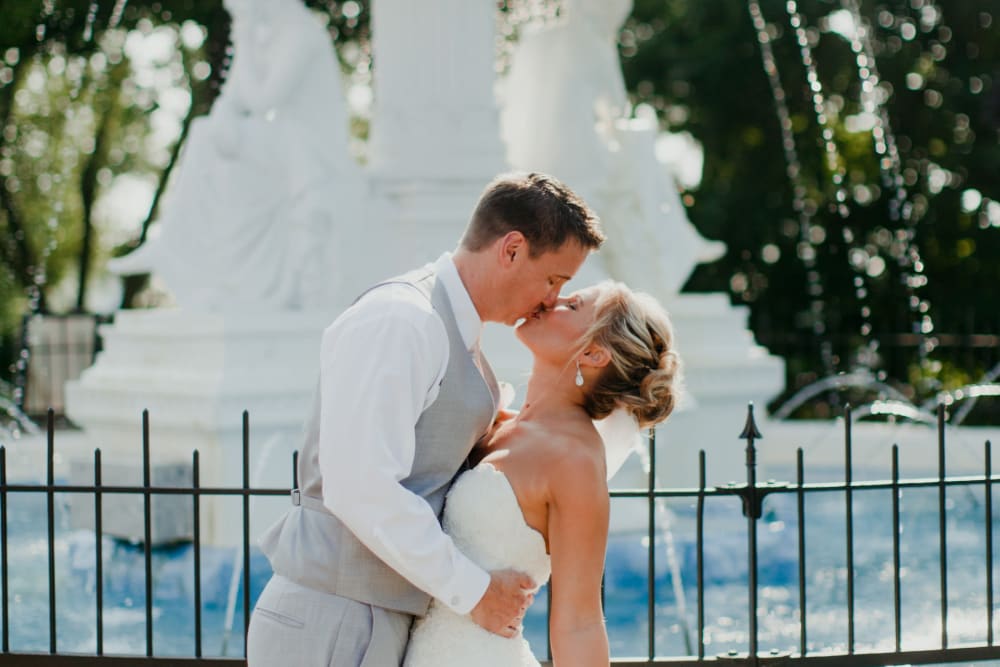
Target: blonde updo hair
{"x":643,"y":375}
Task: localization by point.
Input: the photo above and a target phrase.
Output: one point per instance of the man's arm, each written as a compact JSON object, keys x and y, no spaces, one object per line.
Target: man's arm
{"x":380,"y":367}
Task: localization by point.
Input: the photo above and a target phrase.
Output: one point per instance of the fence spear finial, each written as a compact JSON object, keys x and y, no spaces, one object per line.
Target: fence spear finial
{"x":750,"y":428}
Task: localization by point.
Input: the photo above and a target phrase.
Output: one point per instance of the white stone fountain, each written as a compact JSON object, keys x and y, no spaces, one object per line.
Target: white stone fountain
{"x":564,"y":112}
{"x":270,"y":228}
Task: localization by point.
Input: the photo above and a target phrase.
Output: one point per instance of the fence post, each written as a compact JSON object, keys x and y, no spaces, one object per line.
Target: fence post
{"x":4,"y":583}
{"x":753,"y":496}
{"x":50,"y":430}
{"x":752,"y":504}
{"x":651,"y":554}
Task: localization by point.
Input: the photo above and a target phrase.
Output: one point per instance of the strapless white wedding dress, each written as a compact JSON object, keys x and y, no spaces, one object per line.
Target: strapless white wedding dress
{"x":482,"y":515}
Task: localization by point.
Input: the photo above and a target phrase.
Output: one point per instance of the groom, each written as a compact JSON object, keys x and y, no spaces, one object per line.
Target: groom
{"x":404,"y":394}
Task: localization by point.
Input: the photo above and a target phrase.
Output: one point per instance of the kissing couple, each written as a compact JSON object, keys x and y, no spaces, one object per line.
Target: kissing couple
{"x":426,"y":515}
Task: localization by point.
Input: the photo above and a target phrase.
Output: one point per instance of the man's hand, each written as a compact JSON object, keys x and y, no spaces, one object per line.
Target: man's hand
{"x":502,"y":607}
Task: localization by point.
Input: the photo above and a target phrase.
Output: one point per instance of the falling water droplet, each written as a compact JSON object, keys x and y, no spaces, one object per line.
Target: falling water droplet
{"x":88,"y":28}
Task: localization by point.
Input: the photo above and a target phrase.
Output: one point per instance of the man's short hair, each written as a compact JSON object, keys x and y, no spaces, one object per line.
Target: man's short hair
{"x":544,"y":210}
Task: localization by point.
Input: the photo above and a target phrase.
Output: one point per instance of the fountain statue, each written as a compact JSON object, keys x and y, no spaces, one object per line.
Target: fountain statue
{"x":265,"y":178}
{"x":270,"y":228}
{"x":256,"y":230}
{"x":566,"y":111}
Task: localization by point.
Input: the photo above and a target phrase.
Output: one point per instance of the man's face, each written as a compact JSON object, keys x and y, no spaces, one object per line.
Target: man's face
{"x":537,"y":280}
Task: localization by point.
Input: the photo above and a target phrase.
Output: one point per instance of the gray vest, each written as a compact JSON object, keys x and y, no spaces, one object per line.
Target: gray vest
{"x":310,"y":546}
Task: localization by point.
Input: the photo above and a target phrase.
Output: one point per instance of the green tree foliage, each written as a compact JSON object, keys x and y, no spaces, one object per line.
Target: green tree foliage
{"x":76,"y":114}
{"x":699,"y":64}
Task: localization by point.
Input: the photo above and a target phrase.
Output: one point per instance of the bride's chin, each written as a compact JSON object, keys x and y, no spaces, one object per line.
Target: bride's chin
{"x":523,"y":333}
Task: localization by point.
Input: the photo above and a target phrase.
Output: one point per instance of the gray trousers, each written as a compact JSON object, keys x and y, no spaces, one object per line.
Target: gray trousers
{"x":295,"y":626}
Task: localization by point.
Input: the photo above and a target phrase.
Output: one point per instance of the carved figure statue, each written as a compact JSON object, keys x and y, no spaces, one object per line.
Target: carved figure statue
{"x":249,"y":218}
{"x":565,"y":112}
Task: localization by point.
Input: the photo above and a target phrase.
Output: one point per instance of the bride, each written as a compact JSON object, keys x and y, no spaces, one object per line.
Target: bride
{"x":538,"y":499}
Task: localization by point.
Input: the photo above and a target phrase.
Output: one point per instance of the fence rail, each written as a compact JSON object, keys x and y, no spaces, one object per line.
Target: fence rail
{"x":752,"y":495}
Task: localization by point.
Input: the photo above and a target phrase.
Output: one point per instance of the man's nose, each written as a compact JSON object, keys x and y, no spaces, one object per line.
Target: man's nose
{"x":551,"y":299}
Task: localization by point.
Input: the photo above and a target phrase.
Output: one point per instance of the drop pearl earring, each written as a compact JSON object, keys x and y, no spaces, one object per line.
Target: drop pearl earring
{"x":579,"y":375}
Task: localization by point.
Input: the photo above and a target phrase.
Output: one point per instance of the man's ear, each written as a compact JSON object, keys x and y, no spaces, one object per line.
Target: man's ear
{"x":596,"y":356}
{"x":512,"y":246}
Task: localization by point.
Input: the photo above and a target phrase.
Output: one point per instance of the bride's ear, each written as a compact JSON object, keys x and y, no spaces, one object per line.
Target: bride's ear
{"x":596,"y":356}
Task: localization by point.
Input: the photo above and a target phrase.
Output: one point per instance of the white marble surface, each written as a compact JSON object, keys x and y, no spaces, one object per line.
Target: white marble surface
{"x":196,"y":373}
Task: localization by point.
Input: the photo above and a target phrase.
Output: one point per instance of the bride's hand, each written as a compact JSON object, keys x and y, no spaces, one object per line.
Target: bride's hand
{"x":502,"y":607}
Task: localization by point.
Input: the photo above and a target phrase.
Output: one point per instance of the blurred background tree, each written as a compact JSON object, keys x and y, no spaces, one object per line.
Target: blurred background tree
{"x":96,"y":99}
{"x":700,"y":65}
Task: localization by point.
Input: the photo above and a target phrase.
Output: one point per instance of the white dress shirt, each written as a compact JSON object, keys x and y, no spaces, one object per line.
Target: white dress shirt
{"x":391,"y":349}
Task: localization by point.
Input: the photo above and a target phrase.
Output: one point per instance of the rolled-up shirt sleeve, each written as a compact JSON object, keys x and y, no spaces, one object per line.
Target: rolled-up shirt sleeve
{"x":381,"y":363}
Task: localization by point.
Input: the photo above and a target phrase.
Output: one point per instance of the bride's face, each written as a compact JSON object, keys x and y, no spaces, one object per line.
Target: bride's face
{"x":555,"y":334}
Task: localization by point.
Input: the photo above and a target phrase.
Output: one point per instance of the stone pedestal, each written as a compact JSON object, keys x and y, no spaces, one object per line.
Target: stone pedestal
{"x":435,"y":133}
{"x":196,"y":373}
{"x":421,"y":218}
{"x":123,"y":515}
{"x":435,"y":116}
{"x":723,"y":363}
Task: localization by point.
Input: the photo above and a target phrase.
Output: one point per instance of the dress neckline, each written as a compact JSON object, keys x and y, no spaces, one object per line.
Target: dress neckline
{"x":537,"y":533}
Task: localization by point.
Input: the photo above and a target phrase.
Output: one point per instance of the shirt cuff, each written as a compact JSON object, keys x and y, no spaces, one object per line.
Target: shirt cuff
{"x":469,"y":585}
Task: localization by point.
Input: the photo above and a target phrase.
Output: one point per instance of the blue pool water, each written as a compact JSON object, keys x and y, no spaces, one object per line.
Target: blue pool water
{"x":725,"y":563}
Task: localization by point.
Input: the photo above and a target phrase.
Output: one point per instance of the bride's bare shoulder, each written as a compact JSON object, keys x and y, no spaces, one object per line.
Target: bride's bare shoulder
{"x":578,"y":458}
{"x":556,"y":452}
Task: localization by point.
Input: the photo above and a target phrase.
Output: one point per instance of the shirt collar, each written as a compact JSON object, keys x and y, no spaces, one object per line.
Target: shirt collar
{"x":466,"y":315}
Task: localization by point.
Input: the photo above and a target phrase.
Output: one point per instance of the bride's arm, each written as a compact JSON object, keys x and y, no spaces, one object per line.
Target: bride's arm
{"x":578,"y":535}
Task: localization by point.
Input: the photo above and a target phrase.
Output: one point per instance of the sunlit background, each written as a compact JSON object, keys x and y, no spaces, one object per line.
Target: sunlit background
{"x":846,"y":153}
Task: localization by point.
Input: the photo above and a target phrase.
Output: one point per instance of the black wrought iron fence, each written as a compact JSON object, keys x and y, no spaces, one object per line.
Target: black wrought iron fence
{"x":752,"y":494}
